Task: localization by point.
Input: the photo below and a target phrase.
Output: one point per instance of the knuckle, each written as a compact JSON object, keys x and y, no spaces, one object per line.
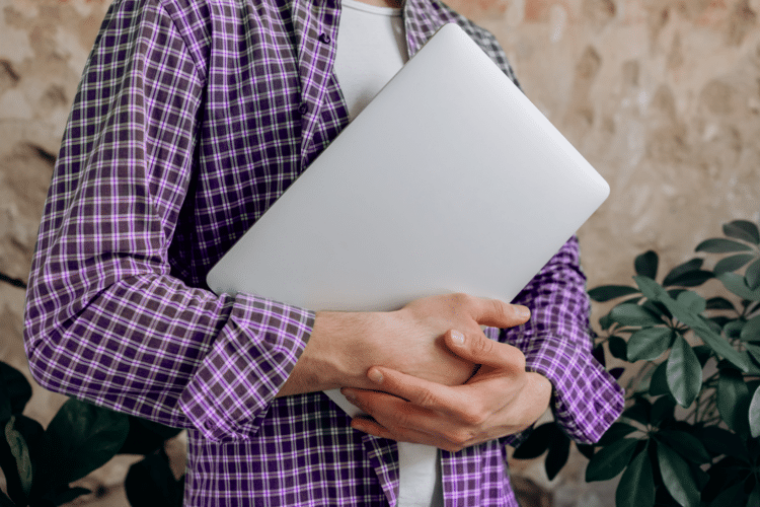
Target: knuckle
{"x":426,"y":398}
{"x":402,"y":420}
{"x":457,"y":438}
{"x":518,"y":359}
{"x":483,"y":346}
{"x":500,"y":309}
{"x":475,"y":418}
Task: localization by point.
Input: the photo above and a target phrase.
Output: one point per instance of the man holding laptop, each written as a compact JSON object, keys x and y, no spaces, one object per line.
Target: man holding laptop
{"x":192,"y":118}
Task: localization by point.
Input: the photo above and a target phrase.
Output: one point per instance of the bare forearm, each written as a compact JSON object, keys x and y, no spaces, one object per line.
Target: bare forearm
{"x":343,"y":346}
{"x":330,"y":360}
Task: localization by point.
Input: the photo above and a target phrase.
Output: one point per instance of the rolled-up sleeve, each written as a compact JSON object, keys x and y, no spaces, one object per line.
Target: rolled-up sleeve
{"x":557,"y":343}
{"x":106,"y":318}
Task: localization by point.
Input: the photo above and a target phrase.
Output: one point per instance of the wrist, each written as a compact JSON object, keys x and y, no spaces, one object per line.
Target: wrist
{"x":338,"y":353}
{"x":541,"y":389}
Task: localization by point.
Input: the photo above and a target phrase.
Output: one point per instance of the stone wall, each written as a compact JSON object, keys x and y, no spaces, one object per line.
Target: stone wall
{"x":662,"y":96}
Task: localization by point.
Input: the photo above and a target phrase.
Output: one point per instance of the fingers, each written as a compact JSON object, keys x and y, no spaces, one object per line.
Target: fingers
{"x":402,"y":421}
{"x":420,"y":392}
{"x":493,"y":312}
{"x":479,"y":349}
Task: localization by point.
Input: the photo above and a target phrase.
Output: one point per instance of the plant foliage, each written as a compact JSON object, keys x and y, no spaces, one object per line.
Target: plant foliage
{"x":690,"y":434}
{"x":40,"y":464}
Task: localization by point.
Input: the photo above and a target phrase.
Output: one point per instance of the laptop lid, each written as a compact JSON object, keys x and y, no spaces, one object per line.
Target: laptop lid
{"x":450,"y":180}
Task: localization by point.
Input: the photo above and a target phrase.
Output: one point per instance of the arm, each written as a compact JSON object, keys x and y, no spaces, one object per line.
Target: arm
{"x":106,"y":320}
{"x":557,"y":344}
{"x":343,"y":346}
{"x":503,"y":398}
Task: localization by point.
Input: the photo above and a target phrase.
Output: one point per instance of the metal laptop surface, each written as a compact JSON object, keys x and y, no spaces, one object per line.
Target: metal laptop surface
{"x":450,"y":180}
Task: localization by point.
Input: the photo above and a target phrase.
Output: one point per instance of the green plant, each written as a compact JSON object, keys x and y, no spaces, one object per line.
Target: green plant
{"x":40,"y":464}
{"x":690,"y":434}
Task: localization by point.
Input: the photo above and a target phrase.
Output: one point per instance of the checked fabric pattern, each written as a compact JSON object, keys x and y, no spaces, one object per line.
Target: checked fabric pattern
{"x":192,"y":117}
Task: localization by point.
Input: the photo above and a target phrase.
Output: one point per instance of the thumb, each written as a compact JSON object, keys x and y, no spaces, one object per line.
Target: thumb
{"x":479,"y":349}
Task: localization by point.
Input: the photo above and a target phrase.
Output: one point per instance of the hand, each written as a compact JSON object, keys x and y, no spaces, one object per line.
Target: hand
{"x":499,"y":400}
{"x":343,"y":346}
{"x":414,"y":337}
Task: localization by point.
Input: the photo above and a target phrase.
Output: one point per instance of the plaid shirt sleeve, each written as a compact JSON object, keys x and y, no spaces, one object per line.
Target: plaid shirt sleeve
{"x":556,"y":342}
{"x":106,"y":318}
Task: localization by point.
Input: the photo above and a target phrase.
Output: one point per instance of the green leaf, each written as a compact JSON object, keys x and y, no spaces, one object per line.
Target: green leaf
{"x":70,"y":495}
{"x":636,"y":487}
{"x":559,"y":451}
{"x":692,"y":301}
{"x":677,"y":477}
{"x":732,"y":496}
{"x":20,"y":452}
{"x":150,"y":483}
{"x":611,"y":460}
{"x":586,"y":449}
{"x":754,"y":496}
{"x":720,"y":245}
{"x":617,"y":347}
{"x":703,"y":352}
{"x":652,"y":290}
{"x":634,"y":315}
{"x":684,"y":373}
{"x":640,"y":411}
{"x":736,"y":284}
{"x":609,"y":292}
{"x":146,"y":437}
{"x":750,"y":331}
{"x":719,"y":303}
{"x":742,"y":229}
{"x":615,"y":433}
{"x":752,"y":275}
{"x":649,"y":343}
{"x":605,"y":322}
{"x":753,"y":357}
{"x":537,"y":442}
{"x":690,"y":279}
{"x":84,"y":438}
{"x":684,"y":444}
{"x":5,"y":501}
{"x":733,"y":400}
{"x":721,"y":441}
{"x":646,"y":264}
{"x":754,"y":414}
{"x":659,"y":383}
{"x":733,"y":329}
{"x":662,"y":409}
{"x":681,"y":269}
{"x":732,"y":263}
{"x":17,"y":388}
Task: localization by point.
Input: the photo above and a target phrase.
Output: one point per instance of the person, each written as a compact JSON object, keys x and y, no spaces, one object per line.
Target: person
{"x":192,"y":118}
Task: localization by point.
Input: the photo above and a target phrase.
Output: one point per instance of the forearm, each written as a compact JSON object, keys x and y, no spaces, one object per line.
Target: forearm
{"x":150,"y":346}
{"x":557,"y":344}
{"x":343,"y":346}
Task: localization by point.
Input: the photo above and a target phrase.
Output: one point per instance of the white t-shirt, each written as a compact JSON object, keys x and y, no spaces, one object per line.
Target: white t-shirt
{"x":371,"y":48}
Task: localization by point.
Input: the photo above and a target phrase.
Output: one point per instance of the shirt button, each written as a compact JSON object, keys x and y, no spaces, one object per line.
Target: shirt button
{"x":325,"y":38}
{"x":303,"y":108}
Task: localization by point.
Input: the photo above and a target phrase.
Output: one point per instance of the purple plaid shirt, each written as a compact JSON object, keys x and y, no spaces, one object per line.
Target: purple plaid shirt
{"x":193,"y":116}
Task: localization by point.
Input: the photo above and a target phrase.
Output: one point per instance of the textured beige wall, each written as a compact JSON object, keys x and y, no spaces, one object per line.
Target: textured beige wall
{"x":662,"y":96}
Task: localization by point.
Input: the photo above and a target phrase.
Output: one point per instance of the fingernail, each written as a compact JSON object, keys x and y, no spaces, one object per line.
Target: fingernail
{"x":523,"y":312}
{"x":375,"y":376}
{"x":350,"y":395}
{"x":457,"y":337}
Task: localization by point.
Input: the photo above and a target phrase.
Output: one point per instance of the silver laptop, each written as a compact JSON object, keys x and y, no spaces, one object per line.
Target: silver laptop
{"x":450,"y":180}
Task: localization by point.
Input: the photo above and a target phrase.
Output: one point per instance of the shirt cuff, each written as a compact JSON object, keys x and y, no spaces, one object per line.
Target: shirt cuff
{"x":587,"y":399}
{"x":250,"y":360}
